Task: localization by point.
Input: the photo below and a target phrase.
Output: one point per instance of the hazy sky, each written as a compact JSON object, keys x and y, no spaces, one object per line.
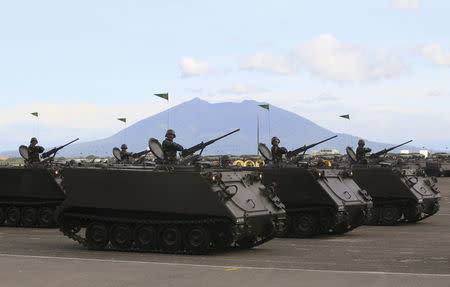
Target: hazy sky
{"x":82,"y":64}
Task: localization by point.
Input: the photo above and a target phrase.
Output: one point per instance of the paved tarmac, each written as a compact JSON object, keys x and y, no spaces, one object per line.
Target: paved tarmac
{"x":406,"y":255}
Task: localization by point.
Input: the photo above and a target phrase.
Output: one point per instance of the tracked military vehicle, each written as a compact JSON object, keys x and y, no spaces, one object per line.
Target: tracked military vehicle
{"x":399,"y":194}
{"x":318,"y":200}
{"x":30,"y":194}
{"x":168,"y":208}
{"x":438,"y":165}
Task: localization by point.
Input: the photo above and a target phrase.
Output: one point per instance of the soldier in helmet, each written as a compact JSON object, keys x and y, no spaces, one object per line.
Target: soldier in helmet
{"x":361,"y":151}
{"x":277,"y":152}
{"x":124,"y":154}
{"x":33,"y":151}
{"x":225,"y":161}
{"x":170,"y":147}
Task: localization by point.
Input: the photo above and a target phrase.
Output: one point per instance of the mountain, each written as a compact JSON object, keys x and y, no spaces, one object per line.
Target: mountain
{"x":197,"y":120}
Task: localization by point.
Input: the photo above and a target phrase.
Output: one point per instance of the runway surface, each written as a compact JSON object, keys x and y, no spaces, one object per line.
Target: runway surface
{"x":405,"y":255}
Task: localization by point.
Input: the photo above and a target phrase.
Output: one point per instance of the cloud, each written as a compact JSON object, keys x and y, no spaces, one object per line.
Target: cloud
{"x":437,"y":93}
{"x":191,"y":67}
{"x":406,"y":4}
{"x":436,"y":54}
{"x":240,"y":89}
{"x":320,"y":99}
{"x":329,"y":58}
{"x":267,"y":63}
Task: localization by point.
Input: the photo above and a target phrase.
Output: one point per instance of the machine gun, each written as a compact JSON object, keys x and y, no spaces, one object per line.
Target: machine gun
{"x":304,"y":148}
{"x":201,"y":146}
{"x":53,"y":151}
{"x":139,"y":154}
{"x":386,"y":150}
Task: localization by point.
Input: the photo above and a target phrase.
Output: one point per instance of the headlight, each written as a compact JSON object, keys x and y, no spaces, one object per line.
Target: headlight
{"x":240,"y":220}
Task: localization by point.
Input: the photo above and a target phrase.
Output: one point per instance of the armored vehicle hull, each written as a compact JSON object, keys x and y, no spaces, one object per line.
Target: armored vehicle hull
{"x":168,"y":209}
{"x":399,"y":195}
{"x":29,"y":196}
{"x":318,"y":200}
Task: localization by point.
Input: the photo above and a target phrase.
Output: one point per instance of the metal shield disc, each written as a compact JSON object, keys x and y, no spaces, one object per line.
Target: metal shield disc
{"x":116,"y":153}
{"x":23,"y":150}
{"x":351,"y":154}
{"x":156,"y":148}
{"x":265,"y":151}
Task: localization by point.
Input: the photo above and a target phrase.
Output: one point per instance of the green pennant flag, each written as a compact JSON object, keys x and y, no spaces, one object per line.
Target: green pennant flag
{"x":123,"y":119}
{"x":345,"y":116}
{"x":164,"y":96}
{"x":36,"y":114}
{"x":267,"y":107}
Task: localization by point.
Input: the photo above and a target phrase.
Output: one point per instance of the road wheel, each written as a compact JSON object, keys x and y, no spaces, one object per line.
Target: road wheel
{"x":197,"y":238}
{"x":390,"y":215}
{"x":13,"y":216}
{"x":97,"y":235}
{"x":45,"y":217}
{"x":29,"y":216}
{"x":2,"y":216}
{"x":146,"y":237}
{"x":170,"y":238}
{"x":121,"y":236}
{"x":304,"y":225}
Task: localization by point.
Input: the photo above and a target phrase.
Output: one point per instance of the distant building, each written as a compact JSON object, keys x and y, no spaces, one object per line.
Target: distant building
{"x":4,"y":157}
{"x":405,"y":151}
{"x":325,"y":152}
{"x":425,"y":152}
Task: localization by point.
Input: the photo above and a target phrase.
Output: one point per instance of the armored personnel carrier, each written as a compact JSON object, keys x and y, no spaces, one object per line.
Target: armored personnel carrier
{"x":29,"y":194}
{"x":318,"y":200}
{"x":168,"y":208}
{"x":438,"y":165}
{"x":399,"y":194}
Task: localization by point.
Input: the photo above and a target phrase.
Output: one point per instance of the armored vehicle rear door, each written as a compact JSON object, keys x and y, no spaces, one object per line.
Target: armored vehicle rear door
{"x":340,"y":188}
{"x":296,"y":186}
{"x":382,"y":182}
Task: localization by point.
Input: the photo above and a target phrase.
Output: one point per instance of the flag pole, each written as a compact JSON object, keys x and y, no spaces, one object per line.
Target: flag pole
{"x":269,"y":125}
{"x":257,"y":134}
{"x":166,"y":97}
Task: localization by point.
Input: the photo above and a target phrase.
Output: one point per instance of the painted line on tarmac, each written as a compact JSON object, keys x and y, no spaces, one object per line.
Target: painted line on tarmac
{"x":225,"y":267}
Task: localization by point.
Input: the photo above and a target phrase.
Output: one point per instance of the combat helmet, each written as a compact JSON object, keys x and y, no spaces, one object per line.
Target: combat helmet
{"x":33,"y":139}
{"x":275,"y":139}
{"x":361,"y":142}
{"x":171,"y":132}
{"x":124,"y":146}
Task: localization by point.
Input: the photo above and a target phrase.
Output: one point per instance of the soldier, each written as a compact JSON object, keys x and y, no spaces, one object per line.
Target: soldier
{"x":277,"y":152}
{"x":361,"y":151}
{"x":125,"y":156}
{"x":225,"y":161}
{"x":170,"y":147}
{"x":33,"y":151}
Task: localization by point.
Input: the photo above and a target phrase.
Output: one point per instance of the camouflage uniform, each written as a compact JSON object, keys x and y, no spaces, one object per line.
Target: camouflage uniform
{"x":170,"y":147}
{"x":124,"y":155}
{"x":361,"y":152}
{"x":277,"y":152}
{"x":225,"y":161}
{"x":33,"y":151}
